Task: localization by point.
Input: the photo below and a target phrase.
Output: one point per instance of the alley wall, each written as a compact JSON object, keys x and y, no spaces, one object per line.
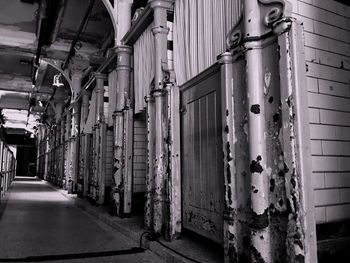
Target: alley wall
{"x":327,"y":49}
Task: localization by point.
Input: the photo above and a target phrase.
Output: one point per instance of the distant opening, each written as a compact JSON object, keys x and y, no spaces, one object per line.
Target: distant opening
{"x":23,"y":146}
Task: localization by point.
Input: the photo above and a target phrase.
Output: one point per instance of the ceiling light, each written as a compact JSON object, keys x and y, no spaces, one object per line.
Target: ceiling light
{"x":57,"y":80}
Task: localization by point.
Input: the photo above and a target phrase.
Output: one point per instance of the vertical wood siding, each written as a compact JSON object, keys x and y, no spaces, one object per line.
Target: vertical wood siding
{"x":139,"y":159}
{"x":200,"y":28}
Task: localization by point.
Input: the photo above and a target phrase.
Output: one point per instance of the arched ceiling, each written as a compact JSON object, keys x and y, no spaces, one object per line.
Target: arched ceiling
{"x":35,"y":40}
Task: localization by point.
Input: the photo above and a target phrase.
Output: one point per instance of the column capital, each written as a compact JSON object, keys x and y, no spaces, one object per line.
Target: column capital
{"x":122,"y":49}
{"x":166,"y":4}
{"x":99,"y":75}
{"x":225,"y":58}
{"x":85,"y":92}
{"x":123,"y":57}
{"x":78,"y":64}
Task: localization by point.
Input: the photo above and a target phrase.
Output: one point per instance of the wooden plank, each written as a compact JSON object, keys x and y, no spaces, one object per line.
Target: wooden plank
{"x":202,"y":159}
{"x":204,"y":162}
{"x":195,"y":176}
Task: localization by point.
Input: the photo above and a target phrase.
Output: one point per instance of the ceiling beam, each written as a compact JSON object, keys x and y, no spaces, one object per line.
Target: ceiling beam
{"x":15,"y":51}
{"x":17,"y":39}
{"x":15,"y":83}
{"x":58,"y":19}
{"x":16,"y":103}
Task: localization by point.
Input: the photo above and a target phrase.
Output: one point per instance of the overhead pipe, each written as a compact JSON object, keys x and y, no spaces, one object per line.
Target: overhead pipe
{"x":40,"y":36}
{"x":77,"y":36}
{"x":61,"y":5}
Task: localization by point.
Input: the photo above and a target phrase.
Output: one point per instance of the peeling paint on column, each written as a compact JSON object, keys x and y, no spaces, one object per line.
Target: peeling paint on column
{"x":173,"y":197}
{"x":255,"y":166}
{"x":117,"y":192}
{"x":121,"y":192}
{"x":148,"y":213}
{"x":161,"y":77}
{"x":255,"y":108}
{"x":228,"y":133}
{"x":295,"y":168}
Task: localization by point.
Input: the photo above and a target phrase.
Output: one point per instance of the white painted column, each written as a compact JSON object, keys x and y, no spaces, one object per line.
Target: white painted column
{"x":69,"y":185}
{"x":100,"y":137}
{"x":160,"y":163}
{"x":122,"y":13}
{"x":84,"y":168}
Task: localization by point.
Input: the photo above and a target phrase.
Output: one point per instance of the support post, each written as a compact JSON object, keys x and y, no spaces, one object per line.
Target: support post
{"x":128,"y":158}
{"x":52,"y":153}
{"x":58,"y":150}
{"x":62,"y":153}
{"x":174,"y":154}
{"x":75,"y":138}
{"x":259,"y":194}
{"x":69,"y":185}
{"x":93,"y":181}
{"x":75,"y":144}
{"x":123,"y":16}
{"x":268,"y":52}
{"x":84,"y":164}
{"x":122,"y":188}
{"x":47,"y":149}
{"x":301,"y":239}
{"x":148,"y":214}
{"x":160,"y":162}
{"x":100,"y":137}
{"x":228,"y":135}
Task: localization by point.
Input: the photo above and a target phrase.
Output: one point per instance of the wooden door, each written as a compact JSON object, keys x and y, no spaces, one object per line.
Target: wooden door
{"x":202,"y":156}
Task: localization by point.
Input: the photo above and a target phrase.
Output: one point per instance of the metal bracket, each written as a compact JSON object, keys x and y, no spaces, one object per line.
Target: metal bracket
{"x":272,"y":11}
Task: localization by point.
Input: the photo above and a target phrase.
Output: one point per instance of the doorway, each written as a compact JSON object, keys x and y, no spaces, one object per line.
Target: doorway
{"x":202,"y":155}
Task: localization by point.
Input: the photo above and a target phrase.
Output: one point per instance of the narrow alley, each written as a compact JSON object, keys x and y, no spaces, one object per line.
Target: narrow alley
{"x":39,"y":224}
{"x":175,"y":131}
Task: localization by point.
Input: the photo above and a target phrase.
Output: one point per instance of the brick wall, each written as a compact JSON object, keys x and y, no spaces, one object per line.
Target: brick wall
{"x":139,"y":160}
{"x":327,"y":50}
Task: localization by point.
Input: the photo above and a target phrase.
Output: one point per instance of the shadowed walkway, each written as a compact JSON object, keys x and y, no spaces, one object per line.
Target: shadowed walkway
{"x":40,"y":223}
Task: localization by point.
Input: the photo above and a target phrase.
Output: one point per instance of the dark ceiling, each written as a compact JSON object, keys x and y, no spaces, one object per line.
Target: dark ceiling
{"x":36,"y":39}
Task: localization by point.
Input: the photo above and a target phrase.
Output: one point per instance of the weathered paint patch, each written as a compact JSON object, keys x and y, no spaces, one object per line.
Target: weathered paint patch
{"x":272,"y":185}
{"x":255,"y":108}
{"x":259,"y":221}
{"x":276,"y":117}
{"x":255,"y":166}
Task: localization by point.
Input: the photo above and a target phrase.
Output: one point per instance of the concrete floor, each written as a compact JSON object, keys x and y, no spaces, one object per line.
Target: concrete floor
{"x":39,"y":221}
